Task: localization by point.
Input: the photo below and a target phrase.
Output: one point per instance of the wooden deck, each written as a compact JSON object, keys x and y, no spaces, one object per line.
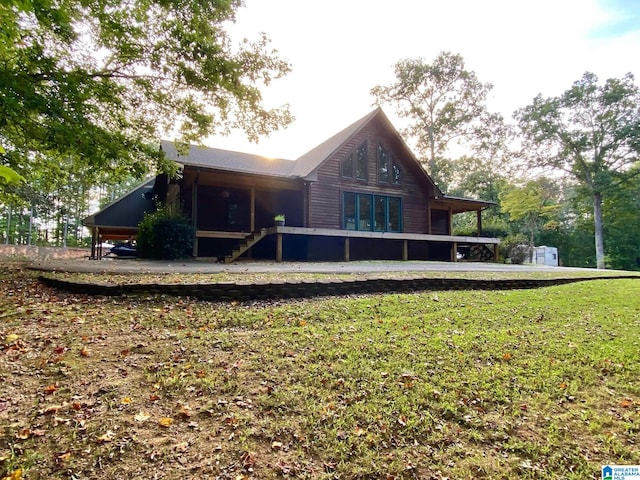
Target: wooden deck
{"x":281,"y":231}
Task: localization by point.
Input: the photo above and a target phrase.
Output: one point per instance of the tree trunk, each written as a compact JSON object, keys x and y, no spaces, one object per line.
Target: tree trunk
{"x":597,"y":217}
{"x":8,"y":224}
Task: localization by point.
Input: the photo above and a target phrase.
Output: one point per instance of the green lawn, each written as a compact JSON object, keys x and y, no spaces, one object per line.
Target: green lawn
{"x":510,"y":384}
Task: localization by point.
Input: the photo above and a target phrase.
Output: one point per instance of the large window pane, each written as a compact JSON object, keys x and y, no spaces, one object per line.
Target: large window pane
{"x":361,"y":162}
{"x":394,"y":214}
{"x":347,"y":166}
{"x":384,"y":171}
{"x":380,"y":214}
{"x":396,"y":174}
{"x":364,"y":218}
{"x":349,"y":213}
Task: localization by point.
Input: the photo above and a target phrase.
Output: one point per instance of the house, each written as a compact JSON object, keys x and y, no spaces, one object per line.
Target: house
{"x":361,"y":194}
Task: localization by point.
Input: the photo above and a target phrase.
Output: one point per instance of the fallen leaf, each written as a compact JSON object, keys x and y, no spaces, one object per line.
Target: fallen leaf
{"x":276,"y":445}
{"x":84,"y":352}
{"x":63,"y":457}
{"x":23,"y":433}
{"x":9,"y":339}
{"x":563,"y":385}
{"x":165,"y":422}
{"x":507,"y":356}
{"x":185,"y":410}
{"x":125,"y":401}
{"x":50,"y":389}
{"x":15,"y":475}
{"x":153,"y":397}
{"x":626,"y":403}
{"x":107,"y":437}
{"x":141,"y":417}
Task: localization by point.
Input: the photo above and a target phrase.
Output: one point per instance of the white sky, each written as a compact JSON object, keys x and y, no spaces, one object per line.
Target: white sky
{"x":340,"y":49}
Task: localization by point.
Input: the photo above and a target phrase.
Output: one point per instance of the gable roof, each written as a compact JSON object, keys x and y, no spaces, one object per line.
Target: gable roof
{"x":310,"y":161}
{"x":127,"y":211}
{"x":304,"y":167}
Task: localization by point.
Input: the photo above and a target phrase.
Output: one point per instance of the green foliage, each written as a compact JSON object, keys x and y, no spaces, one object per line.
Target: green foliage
{"x":442,"y":101}
{"x":164,"y":236}
{"x":514,"y":248}
{"x":532,"y":204}
{"x":591,"y":132}
{"x":99,"y":82}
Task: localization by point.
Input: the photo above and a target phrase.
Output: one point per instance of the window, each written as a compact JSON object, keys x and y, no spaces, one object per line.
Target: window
{"x":361,"y":162}
{"x":355,"y":165}
{"x":396,"y":174}
{"x":349,"y":211}
{"x":366,"y":212}
{"x":388,"y":169}
{"x":384,"y":169}
{"x":347,"y":166}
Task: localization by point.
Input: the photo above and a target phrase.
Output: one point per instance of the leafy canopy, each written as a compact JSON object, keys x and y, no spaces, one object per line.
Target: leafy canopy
{"x":441,"y":100}
{"x":592,"y":133}
{"x":99,"y":81}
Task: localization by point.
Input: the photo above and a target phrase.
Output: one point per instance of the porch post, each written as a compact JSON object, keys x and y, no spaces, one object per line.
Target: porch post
{"x":429,"y":217}
{"x":405,"y":250}
{"x":479,"y":223}
{"x":194,"y":213}
{"x":252,"y":220}
{"x":346,"y":249}
{"x":495,"y":252}
{"x":93,"y":243}
{"x":279,"y":247}
{"x":454,"y":252}
{"x":450,"y":226}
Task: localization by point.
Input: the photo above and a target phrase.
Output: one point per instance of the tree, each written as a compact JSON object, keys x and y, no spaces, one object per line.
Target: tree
{"x":99,"y":81}
{"x":592,"y":133}
{"x":532,"y":204}
{"x":442,"y":101}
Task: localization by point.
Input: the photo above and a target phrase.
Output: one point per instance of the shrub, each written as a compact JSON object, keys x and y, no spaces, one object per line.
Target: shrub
{"x":514,"y":249}
{"x":164,"y":236}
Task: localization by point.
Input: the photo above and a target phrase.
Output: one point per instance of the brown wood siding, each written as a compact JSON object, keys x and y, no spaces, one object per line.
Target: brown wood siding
{"x":325,"y":209}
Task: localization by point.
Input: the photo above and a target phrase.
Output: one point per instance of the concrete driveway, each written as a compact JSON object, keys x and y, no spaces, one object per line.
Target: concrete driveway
{"x":124,"y":266}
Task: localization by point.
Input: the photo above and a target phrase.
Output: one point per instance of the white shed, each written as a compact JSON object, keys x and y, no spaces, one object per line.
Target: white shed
{"x":545,"y":256}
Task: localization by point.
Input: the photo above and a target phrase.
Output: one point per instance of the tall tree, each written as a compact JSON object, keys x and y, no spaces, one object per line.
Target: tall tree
{"x":441,"y":100}
{"x":98,"y":81}
{"x":592,"y":133}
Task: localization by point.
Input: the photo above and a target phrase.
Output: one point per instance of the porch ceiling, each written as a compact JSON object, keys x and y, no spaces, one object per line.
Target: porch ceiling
{"x":458,"y":204}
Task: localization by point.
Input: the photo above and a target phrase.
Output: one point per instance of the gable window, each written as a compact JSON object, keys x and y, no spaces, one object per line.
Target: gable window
{"x":361,"y":162}
{"x":347,"y":166}
{"x":384,"y":166}
{"x":396,"y":174}
{"x":355,"y":165}
{"x":388,"y":169}
{"x":366,"y":212}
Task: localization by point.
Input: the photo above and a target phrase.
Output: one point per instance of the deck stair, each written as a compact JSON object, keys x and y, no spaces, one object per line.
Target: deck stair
{"x":245,"y":245}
